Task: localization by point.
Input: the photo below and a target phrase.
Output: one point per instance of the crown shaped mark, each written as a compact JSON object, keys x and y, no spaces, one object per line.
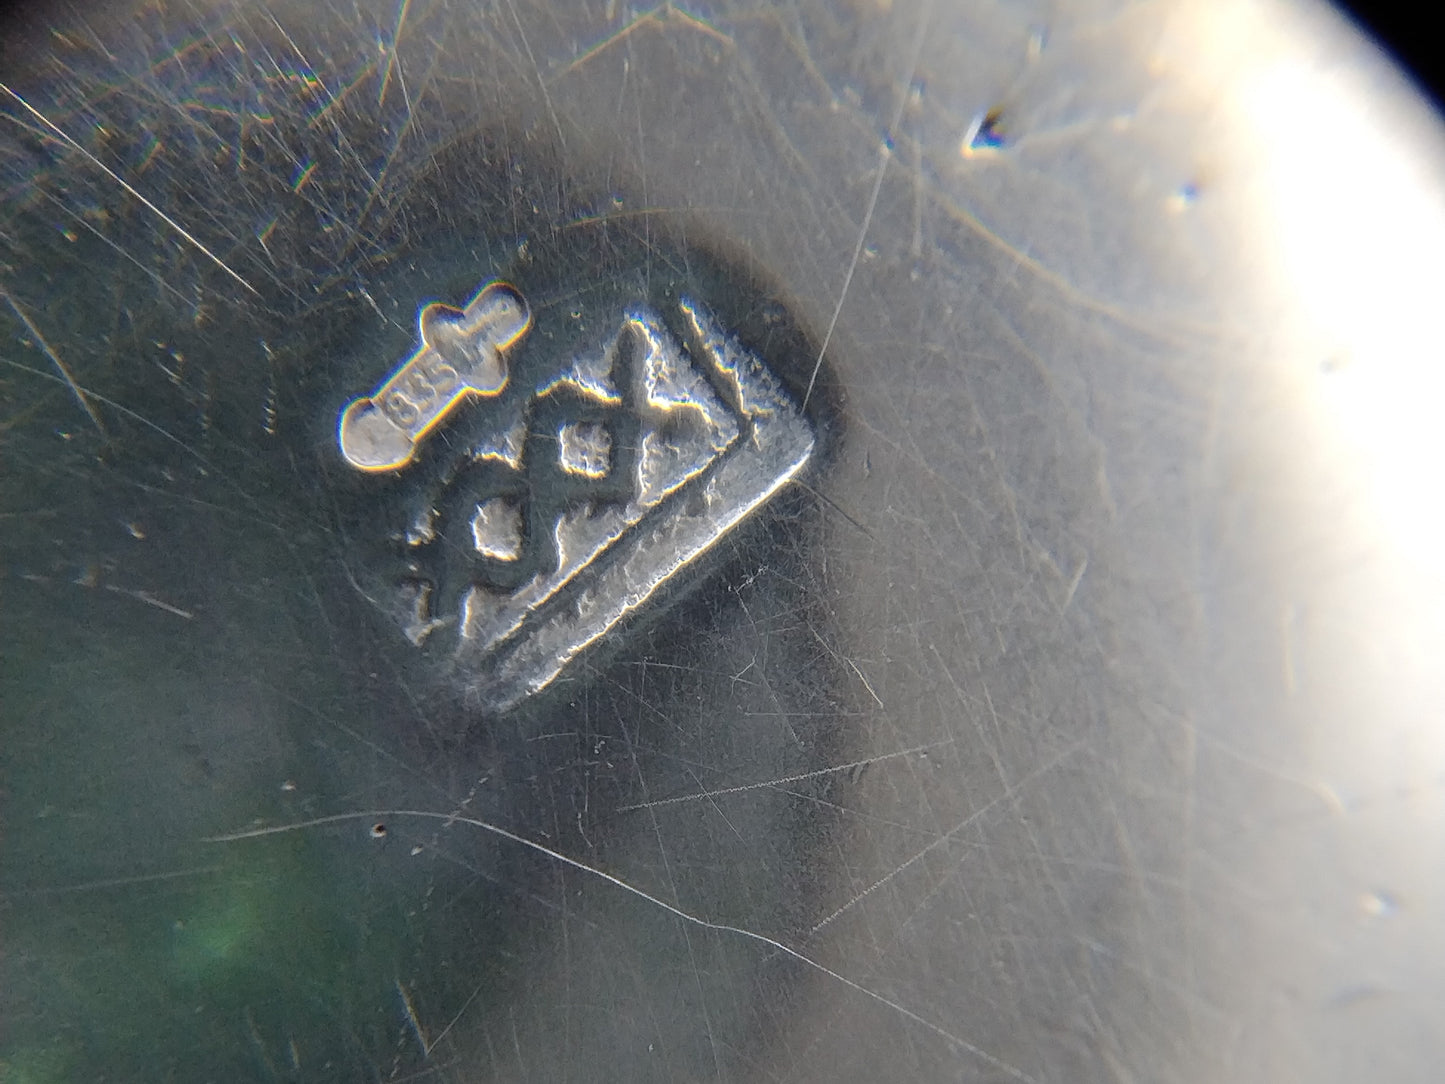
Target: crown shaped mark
{"x":462,"y":354}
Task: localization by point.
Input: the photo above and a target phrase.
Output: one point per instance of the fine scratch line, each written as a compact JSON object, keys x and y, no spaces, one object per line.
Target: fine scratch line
{"x":391,"y":53}
{"x":706,"y":924}
{"x":784,"y":780}
{"x":541,"y":82}
{"x":1007,"y":796}
{"x":115,"y":882}
{"x":150,"y":600}
{"x":118,"y":179}
{"x":885,"y":154}
{"x":75,"y":388}
{"x":414,"y":1020}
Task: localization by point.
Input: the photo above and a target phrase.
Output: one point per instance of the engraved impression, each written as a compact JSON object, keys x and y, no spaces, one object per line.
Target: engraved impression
{"x":461,"y":355}
{"x":585,"y":496}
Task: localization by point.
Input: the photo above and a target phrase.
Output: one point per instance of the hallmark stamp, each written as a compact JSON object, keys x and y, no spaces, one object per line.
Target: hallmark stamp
{"x":584,"y":496}
{"x":462,"y":354}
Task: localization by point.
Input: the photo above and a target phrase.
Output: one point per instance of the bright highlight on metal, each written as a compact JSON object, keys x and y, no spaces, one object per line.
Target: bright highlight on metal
{"x":462,"y":354}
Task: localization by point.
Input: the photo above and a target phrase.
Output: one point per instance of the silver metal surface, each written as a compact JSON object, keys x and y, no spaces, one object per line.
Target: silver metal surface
{"x":1073,"y":712}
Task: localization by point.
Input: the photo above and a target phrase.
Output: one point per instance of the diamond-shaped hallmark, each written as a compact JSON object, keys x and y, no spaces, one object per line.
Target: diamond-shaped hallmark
{"x":461,"y":355}
{"x":588,"y":496}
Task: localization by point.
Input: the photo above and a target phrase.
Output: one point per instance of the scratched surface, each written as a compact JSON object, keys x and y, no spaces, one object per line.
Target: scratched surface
{"x":1050,"y":728}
